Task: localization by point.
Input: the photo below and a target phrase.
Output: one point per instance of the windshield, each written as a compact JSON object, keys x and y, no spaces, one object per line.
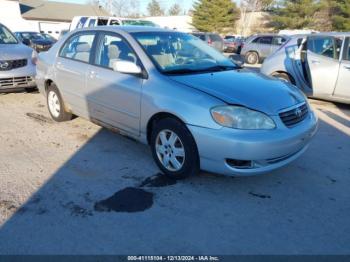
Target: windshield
{"x":180,"y":53}
{"x":32,"y":36}
{"x":139,"y":22}
{"x":6,"y":37}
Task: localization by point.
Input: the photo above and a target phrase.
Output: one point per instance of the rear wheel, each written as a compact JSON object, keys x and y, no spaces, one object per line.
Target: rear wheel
{"x":174,"y":149}
{"x":252,"y":58}
{"x":56,"y":105}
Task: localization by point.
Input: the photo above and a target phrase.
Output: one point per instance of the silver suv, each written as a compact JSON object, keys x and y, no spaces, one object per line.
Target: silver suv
{"x":17,"y":63}
{"x":212,"y":39}
{"x":258,"y":47}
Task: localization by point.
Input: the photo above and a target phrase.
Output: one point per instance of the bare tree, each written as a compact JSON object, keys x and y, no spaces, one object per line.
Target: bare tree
{"x":248,"y":8}
{"x":122,"y":8}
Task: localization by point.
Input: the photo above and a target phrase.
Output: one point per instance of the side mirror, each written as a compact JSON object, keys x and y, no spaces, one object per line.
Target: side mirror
{"x":238,"y":60}
{"x":126,"y":67}
{"x":26,"y":42}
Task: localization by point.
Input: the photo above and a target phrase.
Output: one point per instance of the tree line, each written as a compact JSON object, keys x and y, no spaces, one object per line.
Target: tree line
{"x":322,"y":15}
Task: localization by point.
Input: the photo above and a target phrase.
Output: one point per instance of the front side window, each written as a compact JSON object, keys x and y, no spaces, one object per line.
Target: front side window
{"x":277,"y":40}
{"x":6,"y":37}
{"x":78,"y":47}
{"x":180,"y":53}
{"x":113,"y":48}
{"x":325,"y":46}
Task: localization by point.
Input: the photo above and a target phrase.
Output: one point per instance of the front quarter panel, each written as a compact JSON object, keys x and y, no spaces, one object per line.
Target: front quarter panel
{"x":163,"y":95}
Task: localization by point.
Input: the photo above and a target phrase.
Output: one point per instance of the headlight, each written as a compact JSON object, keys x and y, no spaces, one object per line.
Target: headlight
{"x":241,"y":118}
{"x":34,"y":57}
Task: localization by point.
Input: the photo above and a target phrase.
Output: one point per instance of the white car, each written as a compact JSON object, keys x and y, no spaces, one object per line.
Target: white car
{"x":17,"y":63}
{"x":319,"y":64}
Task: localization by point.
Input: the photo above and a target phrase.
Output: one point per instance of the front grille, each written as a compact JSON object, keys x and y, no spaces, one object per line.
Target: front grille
{"x":6,"y":65}
{"x":293,"y":116}
{"x":13,"y":82}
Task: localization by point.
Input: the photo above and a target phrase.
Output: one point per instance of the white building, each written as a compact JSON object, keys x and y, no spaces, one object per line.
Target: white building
{"x":181,"y":23}
{"x":43,"y":16}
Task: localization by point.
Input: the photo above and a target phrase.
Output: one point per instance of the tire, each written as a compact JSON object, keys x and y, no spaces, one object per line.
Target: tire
{"x":252,"y":58}
{"x":284,"y":77}
{"x":183,"y":150}
{"x":56,"y":105}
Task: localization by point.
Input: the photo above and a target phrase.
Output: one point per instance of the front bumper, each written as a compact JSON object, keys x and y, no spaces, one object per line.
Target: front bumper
{"x":266,"y":150}
{"x":17,"y":79}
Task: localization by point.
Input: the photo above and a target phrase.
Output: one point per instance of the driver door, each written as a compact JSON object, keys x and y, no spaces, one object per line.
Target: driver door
{"x":323,"y":63}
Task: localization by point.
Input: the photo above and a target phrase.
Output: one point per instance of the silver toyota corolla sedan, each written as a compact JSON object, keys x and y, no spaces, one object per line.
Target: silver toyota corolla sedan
{"x":17,"y":63}
{"x":319,"y":64}
{"x":192,"y":105}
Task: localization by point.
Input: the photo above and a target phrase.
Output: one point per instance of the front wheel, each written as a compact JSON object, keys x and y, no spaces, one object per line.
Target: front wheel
{"x":174,"y":149}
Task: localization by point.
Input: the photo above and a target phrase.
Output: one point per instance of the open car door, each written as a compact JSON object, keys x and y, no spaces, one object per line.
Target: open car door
{"x":342,"y":89}
{"x":323,"y":63}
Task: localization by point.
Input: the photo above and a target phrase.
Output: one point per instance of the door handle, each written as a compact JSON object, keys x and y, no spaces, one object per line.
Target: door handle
{"x":93,"y":74}
{"x":315,"y":62}
{"x":347,"y":67}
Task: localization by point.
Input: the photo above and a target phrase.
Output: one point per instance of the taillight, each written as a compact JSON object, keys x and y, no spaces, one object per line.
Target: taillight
{"x":210,"y":42}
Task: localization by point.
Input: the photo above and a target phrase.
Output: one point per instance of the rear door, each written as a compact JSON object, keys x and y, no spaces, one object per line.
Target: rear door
{"x":264,"y":46}
{"x":323,"y":63}
{"x":72,"y":65}
{"x":342,"y":89}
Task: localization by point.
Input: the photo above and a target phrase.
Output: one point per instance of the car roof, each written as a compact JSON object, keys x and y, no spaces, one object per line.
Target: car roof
{"x":332,"y":34}
{"x":131,"y":28}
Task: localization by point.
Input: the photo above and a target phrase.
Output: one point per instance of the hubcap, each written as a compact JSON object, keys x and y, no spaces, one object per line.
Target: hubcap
{"x":251,"y":58}
{"x":170,"y":150}
{"x":54,"y":104}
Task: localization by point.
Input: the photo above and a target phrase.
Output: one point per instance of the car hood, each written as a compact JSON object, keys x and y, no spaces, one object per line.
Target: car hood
{"x":246,"y":88}
{"x":14,"y":51}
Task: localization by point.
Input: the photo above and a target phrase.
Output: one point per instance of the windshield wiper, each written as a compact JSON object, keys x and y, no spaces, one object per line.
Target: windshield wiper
{"x":216,"y":68}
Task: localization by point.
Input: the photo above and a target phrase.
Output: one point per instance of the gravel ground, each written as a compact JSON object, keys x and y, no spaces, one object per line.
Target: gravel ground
{"x":74,"y":188}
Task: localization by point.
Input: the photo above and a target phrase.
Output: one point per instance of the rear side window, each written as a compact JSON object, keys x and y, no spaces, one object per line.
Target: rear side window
{"x":92,"y":23}
{"x":78,"y":47}
{"x":200,"y":36}
{"x":267,"y":40}
{"x":325,"y":46}
{"x":82,"y":22}
{"x":214,"y":37}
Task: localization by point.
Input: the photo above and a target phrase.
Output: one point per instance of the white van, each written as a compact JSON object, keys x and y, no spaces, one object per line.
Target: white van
{"x":91,"y":21}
